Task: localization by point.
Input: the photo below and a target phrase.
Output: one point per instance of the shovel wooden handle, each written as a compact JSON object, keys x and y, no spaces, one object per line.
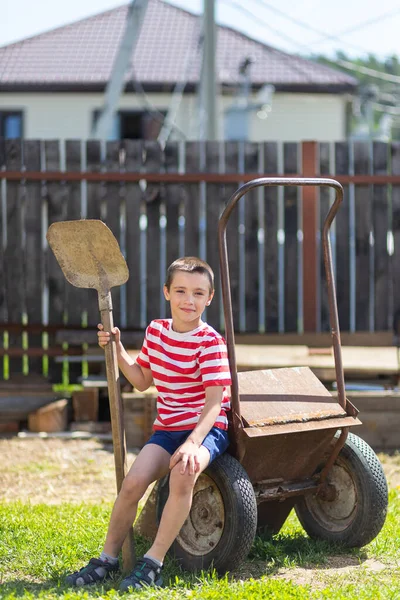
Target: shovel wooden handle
{"x":117,"y":417}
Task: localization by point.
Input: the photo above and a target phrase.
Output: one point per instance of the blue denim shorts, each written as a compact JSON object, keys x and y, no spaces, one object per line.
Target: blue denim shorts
{"x":216,"y":441}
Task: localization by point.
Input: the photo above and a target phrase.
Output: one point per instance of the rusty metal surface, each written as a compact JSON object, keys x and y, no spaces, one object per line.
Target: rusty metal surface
{"x":271,"y":515}
{"x":88,"y":254}
{"x":335,"y":453}
{"x":203,"y":530}
{"x":290,"y":456}
{"x":280,"y":396}
{"x":226,"y":293}
{"x":286,"y":489}
{"x":286,"y":428}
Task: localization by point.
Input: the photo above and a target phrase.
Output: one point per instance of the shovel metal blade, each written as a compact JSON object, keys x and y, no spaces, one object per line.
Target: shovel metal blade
{"x":88,"y":254}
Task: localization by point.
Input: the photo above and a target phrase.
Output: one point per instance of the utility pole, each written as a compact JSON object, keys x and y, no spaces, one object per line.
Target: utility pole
{"x":208,"y":87}
{"x":103,"y":126}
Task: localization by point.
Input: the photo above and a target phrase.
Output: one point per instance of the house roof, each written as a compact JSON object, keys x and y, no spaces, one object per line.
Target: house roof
{"x":80,"y":56}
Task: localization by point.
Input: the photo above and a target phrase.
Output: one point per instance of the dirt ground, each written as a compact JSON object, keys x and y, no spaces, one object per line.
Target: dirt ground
{"x":59,"y":470}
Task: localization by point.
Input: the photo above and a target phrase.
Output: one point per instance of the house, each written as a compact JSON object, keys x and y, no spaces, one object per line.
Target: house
{"x":52,"y":85}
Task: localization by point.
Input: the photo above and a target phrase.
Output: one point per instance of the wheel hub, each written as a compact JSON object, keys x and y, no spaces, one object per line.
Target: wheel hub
{"x":336,"y":503}
{"x":203,"y":528}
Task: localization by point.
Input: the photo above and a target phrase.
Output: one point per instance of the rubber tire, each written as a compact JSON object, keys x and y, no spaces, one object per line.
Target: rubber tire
{"x":371,"y":498}
{"x":240,"y":512}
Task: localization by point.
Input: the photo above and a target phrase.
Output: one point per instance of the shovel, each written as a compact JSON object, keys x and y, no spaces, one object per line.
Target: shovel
{"x":89,"y":257}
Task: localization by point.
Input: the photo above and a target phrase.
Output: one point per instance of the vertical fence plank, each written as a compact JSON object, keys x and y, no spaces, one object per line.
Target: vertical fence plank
{"x":3,"y":238}
{"x":13,"y":262}
{"x":112,"y":203}
{"x":342,"y":240}
{"x":362,"y":165}
{"x":213,"y":212}
{"x":173,"y":199}
{"x":271,"y":240}
{"x":133,"y":163}
{"x":33,"y":249}
{"x":290,"y":151}
{"x":173,"y":204}
{"x":153,"y":163}
{"x":252,"y":282}
{"x":75,"y":297}
{"x":324,"y":206}
{"x":380,"y":220}
{"x":56,"y":199}
{"x":309,"y":217}
{"x":395,"y":169}
{"x":94,"y":193}
{"x":232,"y":230}
{"x":192,"y":201}
{"x":75,"y":301}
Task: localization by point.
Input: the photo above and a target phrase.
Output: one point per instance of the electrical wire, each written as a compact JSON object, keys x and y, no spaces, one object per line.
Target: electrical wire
{"x":308,"y":27}
{"x":346,"y":64}
{"x":367,"y":71}
{"x":325,"y":35}
{"x":255,"y":18}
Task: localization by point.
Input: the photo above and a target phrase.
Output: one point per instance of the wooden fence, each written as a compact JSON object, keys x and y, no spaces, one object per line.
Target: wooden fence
{"x":161,"y":204}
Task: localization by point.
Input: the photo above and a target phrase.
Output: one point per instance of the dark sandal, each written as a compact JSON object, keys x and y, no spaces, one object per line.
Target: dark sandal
{"x":89,"y":575}
{"x":146,"y":573}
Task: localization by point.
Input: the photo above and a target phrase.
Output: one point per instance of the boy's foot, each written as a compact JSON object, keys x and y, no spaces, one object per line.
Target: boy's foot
{"x":95,"y":571}
{"x":145,"y":573}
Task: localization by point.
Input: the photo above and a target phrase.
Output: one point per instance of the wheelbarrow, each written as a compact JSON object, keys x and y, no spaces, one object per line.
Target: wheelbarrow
{"x":290,"y":448}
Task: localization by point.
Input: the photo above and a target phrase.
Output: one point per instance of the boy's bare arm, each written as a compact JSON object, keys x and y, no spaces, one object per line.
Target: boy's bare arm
{"x":210,"y":412}
{"x":138,"y":376}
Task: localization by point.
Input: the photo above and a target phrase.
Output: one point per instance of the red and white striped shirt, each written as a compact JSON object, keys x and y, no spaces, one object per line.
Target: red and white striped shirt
{"x":183,"y":365}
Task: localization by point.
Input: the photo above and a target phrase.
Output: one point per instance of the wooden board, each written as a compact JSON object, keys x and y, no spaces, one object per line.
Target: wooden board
{"x":380,"y":418}
{"x":357,"y":361}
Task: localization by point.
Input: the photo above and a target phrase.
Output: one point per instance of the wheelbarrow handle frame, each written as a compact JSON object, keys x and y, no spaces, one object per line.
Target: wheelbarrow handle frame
{"x":225,"y":279}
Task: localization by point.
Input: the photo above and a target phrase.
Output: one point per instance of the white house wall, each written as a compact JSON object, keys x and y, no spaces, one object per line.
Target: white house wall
{"x":293,"y":117}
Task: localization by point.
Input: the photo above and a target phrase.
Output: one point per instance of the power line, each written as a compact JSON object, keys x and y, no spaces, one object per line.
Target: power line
{"x":363,"y":24}
{"x":310,"y":28}
{"x":346,"y":64}
{"x":252,"y":16}
{"x":325,"y":35}
{"x":367,"y":71}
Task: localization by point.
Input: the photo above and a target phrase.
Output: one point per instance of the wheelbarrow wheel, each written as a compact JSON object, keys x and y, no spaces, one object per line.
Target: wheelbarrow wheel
{"x":221,"y":526}
{"x":351,"y":510}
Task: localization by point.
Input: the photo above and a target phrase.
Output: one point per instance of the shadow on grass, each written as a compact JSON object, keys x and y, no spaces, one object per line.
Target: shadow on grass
{"x":269,"y":555}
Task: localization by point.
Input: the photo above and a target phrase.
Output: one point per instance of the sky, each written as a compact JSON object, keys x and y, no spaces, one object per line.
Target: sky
{"x":357,"y":27}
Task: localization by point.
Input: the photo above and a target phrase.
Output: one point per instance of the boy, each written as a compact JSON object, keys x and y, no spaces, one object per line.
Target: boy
{"x":187,"y":361}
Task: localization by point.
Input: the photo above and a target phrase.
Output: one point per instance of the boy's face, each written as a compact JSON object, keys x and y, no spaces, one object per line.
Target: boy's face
{"x":188,"y":295}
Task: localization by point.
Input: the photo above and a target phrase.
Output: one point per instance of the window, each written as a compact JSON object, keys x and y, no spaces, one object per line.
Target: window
{"x":10,"y":124}
{"x":134,"y":125}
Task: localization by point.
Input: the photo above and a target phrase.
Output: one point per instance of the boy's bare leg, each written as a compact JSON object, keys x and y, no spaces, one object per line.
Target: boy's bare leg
{"x":177,"y":507}
{"x":151,"y":464}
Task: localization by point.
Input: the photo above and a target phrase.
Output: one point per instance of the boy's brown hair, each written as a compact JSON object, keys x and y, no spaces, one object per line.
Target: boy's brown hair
{"x":190,"y":264}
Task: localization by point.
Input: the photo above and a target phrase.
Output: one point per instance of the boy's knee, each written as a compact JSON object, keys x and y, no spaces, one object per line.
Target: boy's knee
{"x":181,"y":483}
{"x":133,"y":488}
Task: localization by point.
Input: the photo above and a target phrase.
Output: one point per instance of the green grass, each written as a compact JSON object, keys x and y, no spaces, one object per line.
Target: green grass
{"x":40,"y":544}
